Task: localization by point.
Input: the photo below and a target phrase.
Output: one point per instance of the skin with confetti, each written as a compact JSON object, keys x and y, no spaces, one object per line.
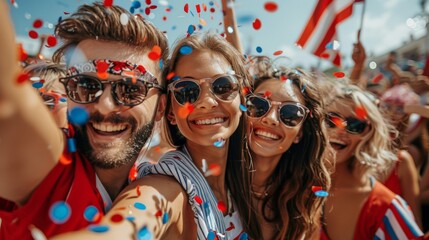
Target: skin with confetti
{"x":47,"y":177}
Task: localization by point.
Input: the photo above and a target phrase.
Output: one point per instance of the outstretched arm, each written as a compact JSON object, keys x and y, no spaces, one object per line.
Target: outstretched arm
{"x":229,"y":21}
{"x":30,"y":142}
{"x":359,"y":57}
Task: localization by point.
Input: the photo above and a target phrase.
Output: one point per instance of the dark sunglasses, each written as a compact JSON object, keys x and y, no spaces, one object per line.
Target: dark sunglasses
{"x":351,"y":124}
{"x":126,"y":91}
{"x":188,"y":90}
{"x":292,"y":114}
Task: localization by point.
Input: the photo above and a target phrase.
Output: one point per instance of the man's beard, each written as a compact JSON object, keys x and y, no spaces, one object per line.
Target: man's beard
{"x":114,"y":154}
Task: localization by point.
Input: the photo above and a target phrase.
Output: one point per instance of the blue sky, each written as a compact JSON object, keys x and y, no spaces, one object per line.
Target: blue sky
{"x":384,"y":24}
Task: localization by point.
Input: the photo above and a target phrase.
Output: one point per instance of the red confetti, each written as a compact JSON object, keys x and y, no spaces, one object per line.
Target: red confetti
{"x":283,"y":78}
{"x":338,"y":122}
{"x":198,"y":8}
{"x":325,"y":55}
{"x":37,"y":23}
{"x":316,"y":188}
{"x":214,"y":169}
{"x":158,"y":214}
{"x":117,"y":218}
{"x":185,"y":110}
{"x":168,"y":9}
{"x":33,"y":34}
{"x":133,"y":173}
{"x":170,"y":75}
{"x":245,"y":90}
{"x":64,"y":160}
{"x":279,"y":52}
{"x":51,"y":41}
{"x":108,"y":3}
{"x":361,"y":112}
{"x":267,"y":94}
{"x":102,"y":67}
{"x":339,"y":74}
{"x":212,"y":10}
{"x":22,"y":78}
{"x":66,"y":13}
{"x":148,"y":2}
{"x":186,"y":8}
{"x":164,"y":18}
{"x":22,"y":54}
{"x":257,"y":24}
{"x":198,"y":200}
{"x":138,"y":191}
{"x":221,"y":206}
{"x":378,"y":78}
{"x":270,"y":6}
{"x":204,"y":7}
{"x":147,"y":11}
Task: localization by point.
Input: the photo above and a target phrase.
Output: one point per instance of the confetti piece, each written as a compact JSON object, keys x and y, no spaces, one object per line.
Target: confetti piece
{"x":63,"y":99}
{"x":221,"y":206}
{"x":37,"y":85}
{"x":37,"y":23}
{"x":339,"y":74}
{"x":214,"y":170}
{"x":316,"y":188}
{"x":267,"y":94}
{"x":191,"y":29}
{"x":257,"y":24}
{"x":243,"y":236}
{"x":124,"y":18}
{"x":136,"y":4}
{"x":51,"y":41}
{"x":378,"y":78}
{"x":64,"y":160}
{"x":154,"y":56}
{"x":36,"y":233}
{"x":185,"y":50}
{"x":361,"y":112}
{"x":108,"y":3}
{"x":22,"y":54}
{"x":98,"y":228}
{"x":258,"y":49}
{"x":334,"y":45}
{"x":185,"y":110}
{"x":158,"y":213}
{"x":117,"y":218}
{"x":22,"y":77}
{"x":140,"y":206}
{"x":138,"y":191}
{"x":165,"y":218}
{"x":243,"y":108}
{"x":325,"y":55}
{"x":270,"y":6}
{"x":245,"y":90}
{"x":78,"y":116}
{"x":279,"y":52}
{"x":60,"y":212}
{"x":186,"y":8}
{"x":321,"y":193}
{"x":33,"y":34}
{"x":204,"y":23}
{"x":220,"y":143}
{"x":211,"y":236}
{"x":71,"y":145}
{"x":144,"y":234}
{"x":339,"y":123}
{"x":148,"y":2}
{"x":170,"y":75}
{"x":198,"y":200}
{"x":91,"y":214}
{"x":130,"y":218}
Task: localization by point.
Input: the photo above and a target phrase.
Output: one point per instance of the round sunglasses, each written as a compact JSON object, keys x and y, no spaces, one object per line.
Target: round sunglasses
{"x":292,"y":114}
{"x":126,"y":91}
{"x":188,"y":90}
{"x":351,"y":125}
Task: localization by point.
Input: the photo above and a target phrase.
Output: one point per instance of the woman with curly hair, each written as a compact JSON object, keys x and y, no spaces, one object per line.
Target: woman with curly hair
{"x":359,"y":207}
{"x":288,"y":144}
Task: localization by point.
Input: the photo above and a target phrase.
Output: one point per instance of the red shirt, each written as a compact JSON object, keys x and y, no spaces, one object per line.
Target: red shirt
{"x":73,"y":184}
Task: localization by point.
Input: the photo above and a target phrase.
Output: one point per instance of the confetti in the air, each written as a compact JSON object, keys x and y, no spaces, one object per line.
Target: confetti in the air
{"x":213,"y":170}
{"x":98,"y":228}
{"x":186,"y":8}
{"x":60,"y":212}
{"x":339,"y":74}
{"x":91,"y":214}
{"x":22,"y":77}
{"x":185,"y":50}
{"x":144,"y":234}
{"x":321,"y":193}
{"x":361,"y":112}
{"x":108,"y":3}
{"x":258,"y":49}
{"x":243,"y":108}
{"x":257,"y":24}
{"x":270,"y":6}
{"x":219,"y":143}
{"x":117,"y":218}
{"x":277,"y":53}
{"x":198,"y":200}
{"x":140,"y":206}
{"x":33,"y":34}
{"x":78,"y":116}
{"x":221,"y":206}
{"x":211,"y":236}
{"x":71,"y":145}
{"x":185,"y":110}
{"x":316,"y":188}
{"x":165,"y":218}
{"x":38,"y":23}
{"x":51,"y":41}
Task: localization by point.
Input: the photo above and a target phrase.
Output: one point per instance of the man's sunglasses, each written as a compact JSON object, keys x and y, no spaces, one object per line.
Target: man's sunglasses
{"x":188,"y":90}
{"x":292,"y":114}
{"x":126,"y":91}
{"x":351,"y":124}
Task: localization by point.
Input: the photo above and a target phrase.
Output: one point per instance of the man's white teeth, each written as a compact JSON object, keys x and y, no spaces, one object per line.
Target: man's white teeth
{"x":266,"y":134}
{"x":108,"y":127}
{"x":209,"y":121}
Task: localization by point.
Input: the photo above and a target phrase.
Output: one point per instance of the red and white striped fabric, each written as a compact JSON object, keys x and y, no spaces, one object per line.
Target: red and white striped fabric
{"x":320,"y":29}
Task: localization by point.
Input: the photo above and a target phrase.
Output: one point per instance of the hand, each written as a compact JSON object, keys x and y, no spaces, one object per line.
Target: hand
{"x":358,"y":54}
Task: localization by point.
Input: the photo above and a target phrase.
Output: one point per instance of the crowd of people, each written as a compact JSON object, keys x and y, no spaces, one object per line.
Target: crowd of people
{"x":117,"y":141}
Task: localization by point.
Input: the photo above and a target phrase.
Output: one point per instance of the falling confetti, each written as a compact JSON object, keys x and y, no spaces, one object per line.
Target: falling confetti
{"x":198,"y":200}
{"x":155,"y":54}
{"x":185,"y":110}
{"x":214,"y":170}
{"x":22,"y":77}
{"x":91,"y":214}
{"x":243,"y":236}
{"x":108,"y":3}
{"x":22,"y":54}
{"x":37,"y":85}
{"x":33,"y":34}
{"x":138,"y":191}
{"x":186,"y":8}
{"x":270,"y":6}
{"x":378,"y":78}
{"x":64,"y":160}
{"x":257,"y":24}
{"x":37,"y":23}
{"x":243,"y":108}
{"x":140,"y":206}
{"x":78,"y":116}
{"x":144,"y":234}
{"x":361,"y":112}
{"x":221,"y":206}
{"x":258,"y":49}
{"x":136,"y":4}
{"x":339,"y":74}
{"x":191,"y":29}
{"x":267,"y":94}
{"x":165,"y":218}
{"x":158,"y":213}
{"x":277,"y":53}
{"x":71,"y":145}
{"x":117,"y":218}
{"x":321,"y":193}
{"x":219,"y":143}
{"x":60,"y":212}
{"x":339,"y":123}
{"x":316,"y":188}
{"x":211,"y":236}
{"x":185,"y":50}
{"x":51,"y":41}
{"x":98,"y":228}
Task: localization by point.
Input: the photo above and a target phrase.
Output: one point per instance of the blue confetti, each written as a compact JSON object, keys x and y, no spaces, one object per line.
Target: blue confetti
{"x":63,"y":99}
{"x":60,"y":212}
{"x":243,"y":236}
{"x":144,"y":234}
{"x":78,"y":116}
{"x":329,"y":45}
{"x":244,"y":19}
{"x":321,"y":193}
{"x":165,"y":218}
{"x":132,"y":10}
{"x":90,"y":213}
{"x":200,"y":27}
{"x":219,"y":143}
{"x":71,"y":145}
{"x":140,"y":206}
{"x":185,"y":50}
{"x":211,"y":235}
{"x":243,"y":108}
{"x":161,"y":63}
{"x":136,"y":4}
{"x":258,"y":49}
{"x":98,"y":228}
{"x":191,"y":29}
{"x":192,"y":13}
{"x":175,"y":78}
{"x":131,"y":218}
{"x":37,"y":85}
{"x":211,"y":3}
{"x":173,"y":27}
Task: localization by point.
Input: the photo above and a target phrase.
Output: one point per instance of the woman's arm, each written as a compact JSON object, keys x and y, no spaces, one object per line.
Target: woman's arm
{"x":30,"y":142}
{"x":155,"y":205}
{"x":229,"y":21}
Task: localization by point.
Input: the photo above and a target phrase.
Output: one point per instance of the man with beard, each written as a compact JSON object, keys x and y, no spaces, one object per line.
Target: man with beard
{"x":47,"y":184}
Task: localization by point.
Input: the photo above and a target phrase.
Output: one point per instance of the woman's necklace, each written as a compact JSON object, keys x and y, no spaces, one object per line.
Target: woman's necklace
{"x":261,"y":195}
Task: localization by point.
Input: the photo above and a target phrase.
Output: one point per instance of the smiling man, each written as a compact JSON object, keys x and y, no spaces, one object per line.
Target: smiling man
{"x":45,"y":186}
